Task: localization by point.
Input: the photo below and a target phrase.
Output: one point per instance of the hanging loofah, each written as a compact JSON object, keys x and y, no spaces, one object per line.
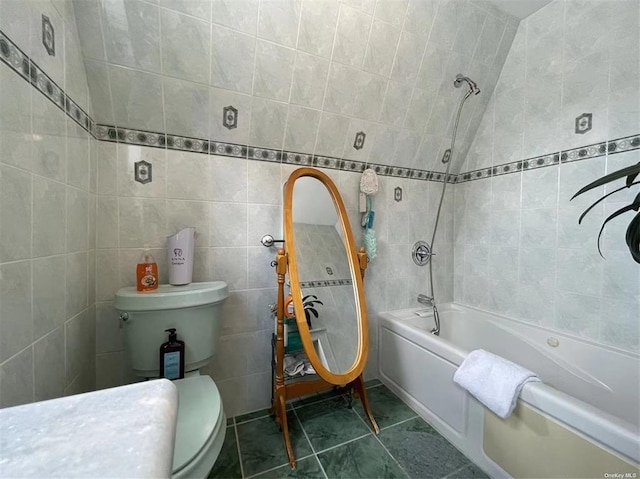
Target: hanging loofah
{"x":369,"y":182}
{"x":370,"y":243}
{"x":369,"y":236}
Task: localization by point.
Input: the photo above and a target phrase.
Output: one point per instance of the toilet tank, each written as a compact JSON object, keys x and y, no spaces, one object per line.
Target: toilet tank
{"x":194,"y":310}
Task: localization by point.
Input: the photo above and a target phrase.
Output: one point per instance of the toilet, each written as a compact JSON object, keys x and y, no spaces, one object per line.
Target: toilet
{"x":195,"y":311}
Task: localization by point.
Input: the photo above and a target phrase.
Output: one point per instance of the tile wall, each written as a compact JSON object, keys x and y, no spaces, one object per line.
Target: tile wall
{"x":302,"y":76}
{"x":233,"y":202}
{"x":179,"y":81}
{"x":47,"y":224}
{"x":518,"y":248}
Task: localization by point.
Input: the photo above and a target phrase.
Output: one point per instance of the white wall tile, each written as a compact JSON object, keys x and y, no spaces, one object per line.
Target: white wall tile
{"x":302,"y":129}
{"x":49,"y":217}
{"x":139,"y":99}
{"x":221,"y":99}
{"x":381,"y":48}
{"x":76,"y":282}
{"x":351,"y":36}
{"x":232,"y":56}
{"x":52,"y":64}
{"x":309,"y":80}
{"x":15,"y":214}
{"x":227,"y":224}
{"x":408,"y":57}
{"x":341,"y":89}
{"x":186,"y":107}
{"x":237,"y":14}
{"x":15,"y":306}
{"x":195,"y":8}
{"x":99,"y":91}
{"x":127,"y":157}
{"x":278,"y":21}
{"x":142,"y":222}
{"x":77,"y":220}
{"x":17,"y":379}
{"x":132,"y":33}
{"x":273,"y":70}
{"x":48,"y":366}
{"x":228,"y":179}
{"x":317,"y":27}
{"x":268,"y":120}
{"x":109,"y":333}
{"x":77,"y":157}
{"x":188,"y":176}
{"x":331,"y":135}
{"x":367,"y":104}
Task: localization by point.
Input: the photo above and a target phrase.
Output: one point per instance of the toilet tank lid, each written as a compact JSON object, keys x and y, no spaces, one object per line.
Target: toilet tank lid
{"x":171,"y":297}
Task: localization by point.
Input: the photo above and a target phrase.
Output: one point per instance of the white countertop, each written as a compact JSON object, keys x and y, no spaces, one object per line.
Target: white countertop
{"x":127,"y":431}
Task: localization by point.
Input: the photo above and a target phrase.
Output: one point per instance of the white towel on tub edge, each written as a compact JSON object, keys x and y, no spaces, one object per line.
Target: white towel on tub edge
{"x":494,"y":381}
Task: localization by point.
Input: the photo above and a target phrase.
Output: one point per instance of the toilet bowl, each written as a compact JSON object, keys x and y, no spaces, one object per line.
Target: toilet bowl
{"x":195,"y":311}
{"x":200,"y":428}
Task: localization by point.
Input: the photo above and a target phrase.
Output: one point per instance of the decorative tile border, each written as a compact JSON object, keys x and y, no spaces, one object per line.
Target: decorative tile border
{"x":595,"y":150}
{"x":623,"y":144}
{"x":325,"y":283}
{"x":20,"y":63}
{"x":172,"y":142}
{"x":585,"y":152}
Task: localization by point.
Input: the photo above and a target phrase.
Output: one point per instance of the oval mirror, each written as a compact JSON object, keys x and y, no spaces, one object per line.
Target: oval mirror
{"x":325,"y":275}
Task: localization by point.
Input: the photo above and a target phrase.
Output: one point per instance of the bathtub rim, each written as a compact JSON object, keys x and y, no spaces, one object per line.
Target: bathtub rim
{"x":608,"y":430}
{"x":463,"y":307}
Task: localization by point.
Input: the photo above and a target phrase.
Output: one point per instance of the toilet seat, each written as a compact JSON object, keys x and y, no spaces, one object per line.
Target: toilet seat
{"x":200,"y":429}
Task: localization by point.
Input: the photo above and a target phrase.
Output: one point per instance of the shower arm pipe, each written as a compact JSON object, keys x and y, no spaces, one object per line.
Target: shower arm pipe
{"x":473,"y":90}
{"x":446,"y":174}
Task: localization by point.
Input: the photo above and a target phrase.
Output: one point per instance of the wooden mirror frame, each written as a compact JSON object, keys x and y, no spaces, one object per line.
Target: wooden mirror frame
{"x":356,"y":273}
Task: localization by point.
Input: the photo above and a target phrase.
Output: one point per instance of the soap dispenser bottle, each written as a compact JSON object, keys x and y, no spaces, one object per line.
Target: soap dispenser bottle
{"x":146,"y":273}
{"x":172,"y":357}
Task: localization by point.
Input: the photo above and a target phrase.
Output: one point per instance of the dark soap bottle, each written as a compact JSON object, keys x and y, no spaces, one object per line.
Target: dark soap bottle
{"x":172,"y":357}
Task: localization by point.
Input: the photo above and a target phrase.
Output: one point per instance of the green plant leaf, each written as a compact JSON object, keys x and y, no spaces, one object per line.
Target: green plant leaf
{"x":604,"y":198}
{"x":635,"y":206}
{"x":633,"y":238}
{"x":628,"y":171}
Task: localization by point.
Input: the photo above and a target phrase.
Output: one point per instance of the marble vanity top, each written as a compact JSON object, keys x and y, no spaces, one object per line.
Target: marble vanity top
{"x":123,"y":432}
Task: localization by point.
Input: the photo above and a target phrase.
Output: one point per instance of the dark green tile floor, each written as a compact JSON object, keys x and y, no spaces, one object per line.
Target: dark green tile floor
{"x":331,"y":440}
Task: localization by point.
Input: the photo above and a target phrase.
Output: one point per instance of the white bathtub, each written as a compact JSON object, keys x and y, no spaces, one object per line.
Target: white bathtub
{"x":589,"y":388}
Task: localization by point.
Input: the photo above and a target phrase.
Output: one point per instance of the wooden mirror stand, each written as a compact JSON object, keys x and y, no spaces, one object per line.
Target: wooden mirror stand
{"x":282,"y":392}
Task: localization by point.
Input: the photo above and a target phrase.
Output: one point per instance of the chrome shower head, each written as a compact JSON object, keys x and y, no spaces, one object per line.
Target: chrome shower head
{"x":460,"y":78}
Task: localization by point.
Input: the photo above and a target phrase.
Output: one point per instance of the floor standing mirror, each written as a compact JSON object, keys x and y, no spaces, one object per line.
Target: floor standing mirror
{"x":321,"y":261}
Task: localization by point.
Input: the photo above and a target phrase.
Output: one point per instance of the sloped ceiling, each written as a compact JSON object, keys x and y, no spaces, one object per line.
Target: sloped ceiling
{"x":519,"y":9}
{"x":304,"y":76}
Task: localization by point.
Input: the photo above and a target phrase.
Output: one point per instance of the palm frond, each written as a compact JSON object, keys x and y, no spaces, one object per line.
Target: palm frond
{"x":631,"y":172}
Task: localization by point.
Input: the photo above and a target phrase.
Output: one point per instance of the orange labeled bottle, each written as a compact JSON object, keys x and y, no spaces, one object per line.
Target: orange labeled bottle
{"x":147,"y":273}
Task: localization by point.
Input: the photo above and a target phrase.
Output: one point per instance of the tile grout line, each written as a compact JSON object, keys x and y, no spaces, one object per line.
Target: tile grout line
{"x":375,"y":436}
{"x":458,"y":470}
{"x":277,"y":467}
{"x":313,"y":450}
{"x":235,"y":430}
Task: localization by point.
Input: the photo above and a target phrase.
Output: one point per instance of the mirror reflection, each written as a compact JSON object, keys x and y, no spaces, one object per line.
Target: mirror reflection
{"x":324,"y":275}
